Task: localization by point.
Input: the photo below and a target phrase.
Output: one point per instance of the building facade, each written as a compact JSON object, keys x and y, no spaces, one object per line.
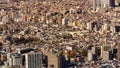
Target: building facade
{"x":33,"y":60}
{"x":103,"y":4}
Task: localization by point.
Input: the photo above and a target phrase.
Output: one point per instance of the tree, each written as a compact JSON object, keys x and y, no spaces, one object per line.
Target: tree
{"x":73,"y":54}
{"x":84,"y":52}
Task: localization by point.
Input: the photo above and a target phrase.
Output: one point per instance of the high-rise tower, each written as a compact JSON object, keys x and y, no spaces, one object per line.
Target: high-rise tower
{"x":33,"y":60}
{"x":103,"y":4}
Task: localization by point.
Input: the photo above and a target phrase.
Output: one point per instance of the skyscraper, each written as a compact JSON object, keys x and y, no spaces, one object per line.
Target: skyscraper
{"x":14,"y":60}
{"x":33,"y":60}
{"x":103,"y":4}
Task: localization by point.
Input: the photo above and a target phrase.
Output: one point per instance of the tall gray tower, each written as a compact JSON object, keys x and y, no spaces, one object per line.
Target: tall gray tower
{"x":33,"y":60}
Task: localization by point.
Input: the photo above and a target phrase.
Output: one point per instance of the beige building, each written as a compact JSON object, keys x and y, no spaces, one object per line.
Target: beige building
{"x":107,"y":55}
{"x":56,"y":61}
{"x":118,"y":55}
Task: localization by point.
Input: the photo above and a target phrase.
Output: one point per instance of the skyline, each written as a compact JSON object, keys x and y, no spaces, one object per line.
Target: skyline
{"x":60,"y":34}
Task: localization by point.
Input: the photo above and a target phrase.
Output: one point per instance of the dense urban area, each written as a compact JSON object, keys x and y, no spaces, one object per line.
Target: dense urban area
{"x":59,"y":33}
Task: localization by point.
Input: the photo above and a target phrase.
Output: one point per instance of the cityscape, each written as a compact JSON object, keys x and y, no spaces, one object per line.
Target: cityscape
{"x":59,"y":33}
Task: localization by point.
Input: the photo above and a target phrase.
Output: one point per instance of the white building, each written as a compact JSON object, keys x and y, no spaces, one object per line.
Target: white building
{"x":5,"y":19}
{"x":89,"y":26}
{"x":14,"y":60}
{"x":65,"y":21}
{"x":90,"y":56}
{"x":17,"y":61}
{"x":33,"y":60}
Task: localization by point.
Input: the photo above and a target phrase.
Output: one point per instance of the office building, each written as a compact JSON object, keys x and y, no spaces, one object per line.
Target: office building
{"x":93,"y":54}
{"x":105,"y":48}
{"x":5,"y":19}
{"x":97,"y":4}
{"x":14,"y":60}
{"x":95,"y":50}
{"x":89,"y":26}
{"x":33,"y":60}
{"x":107,"y":3}
{"x":17,"y":60}
{"x":65,"y":21}
{"x":56,"y":61}
{"x":53,"y":61}
{"x":107,"y":55}
{"x":90,"y":56}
